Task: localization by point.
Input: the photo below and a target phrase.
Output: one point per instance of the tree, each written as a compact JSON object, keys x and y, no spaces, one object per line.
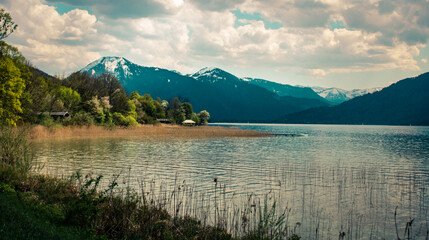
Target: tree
{"x":7,"y":26}
{"x":176,"y":111}
{"x":204,"y":116}
{"x":96,"y":109}
{"x":119,"y":102}
{"x":134,"y":95}
{"x":187,"y":107}
{"x":11,"y":89}
{"x":148,"y":105}
{"x":69,"y":97}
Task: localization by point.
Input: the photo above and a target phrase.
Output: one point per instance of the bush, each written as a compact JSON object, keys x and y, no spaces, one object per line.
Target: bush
{"x":46,"y":120}
{"x":14,"y":148}
{"x":81,"y":119}
{"x":120,"y":120}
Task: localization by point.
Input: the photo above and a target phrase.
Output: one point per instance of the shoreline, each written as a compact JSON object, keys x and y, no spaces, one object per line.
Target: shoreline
{"x":162,"y":131}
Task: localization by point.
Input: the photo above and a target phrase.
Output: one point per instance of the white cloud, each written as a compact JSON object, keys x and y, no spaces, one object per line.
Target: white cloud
{"x":318,"y":72}
{"x":186,"y":35}
{"x":54,"y":42}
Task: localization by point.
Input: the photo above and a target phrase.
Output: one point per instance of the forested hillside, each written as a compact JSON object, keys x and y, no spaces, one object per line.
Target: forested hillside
{"x":403,"y":103}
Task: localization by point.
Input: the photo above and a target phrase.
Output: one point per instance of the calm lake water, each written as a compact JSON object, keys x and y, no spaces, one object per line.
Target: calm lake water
{"x":333,"y":179}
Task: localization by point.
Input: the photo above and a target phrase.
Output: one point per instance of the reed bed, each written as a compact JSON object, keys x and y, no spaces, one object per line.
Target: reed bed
{"x":335,"y":203}
{"x":162,"y":131}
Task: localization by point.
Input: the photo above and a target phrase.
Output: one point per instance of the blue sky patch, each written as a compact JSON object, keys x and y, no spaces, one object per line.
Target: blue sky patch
{"x":255,"y":17}
{"x":64,"y":8}
{"x":337,"y":25}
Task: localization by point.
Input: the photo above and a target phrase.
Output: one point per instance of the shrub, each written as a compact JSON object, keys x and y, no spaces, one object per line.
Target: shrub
{"x":14,"y":148}
{"x":81,"y":119}
{"x":120,"y":120}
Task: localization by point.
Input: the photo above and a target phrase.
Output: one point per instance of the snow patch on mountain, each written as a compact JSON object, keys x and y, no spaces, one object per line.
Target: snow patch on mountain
{"x":338,"y":95}
{"x":91,"y":65}
{"x":206,"y":72}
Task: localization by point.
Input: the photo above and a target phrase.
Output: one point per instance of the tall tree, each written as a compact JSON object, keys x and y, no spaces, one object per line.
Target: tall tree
{"x":176,"y":111}
{"x":204,"y":117}
{"x":7,"y":26}
{"x":11,"y":88}
{"x":187,"y":107}
{"x":69,"y":97}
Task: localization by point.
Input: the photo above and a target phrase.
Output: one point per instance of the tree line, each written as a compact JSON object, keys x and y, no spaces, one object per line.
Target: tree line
{"x":29,"y":95}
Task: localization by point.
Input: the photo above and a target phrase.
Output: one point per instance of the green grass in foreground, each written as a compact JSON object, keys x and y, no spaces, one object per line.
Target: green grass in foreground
{"x":21,"y":220}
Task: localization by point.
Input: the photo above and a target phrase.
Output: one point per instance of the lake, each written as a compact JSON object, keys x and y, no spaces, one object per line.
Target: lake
{"x":359,"y":180}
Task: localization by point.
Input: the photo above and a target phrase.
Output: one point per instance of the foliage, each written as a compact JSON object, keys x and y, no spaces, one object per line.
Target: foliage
{"x":15,"y":153}
{"x":11,"y":89}
{"x":95,"y":108}
{"x":69,"y":97}
{"x":203,"y":116}
{"x":132,"y":109}
{"x":119,"y":101}
{"x":58,"y":106}
{"x":187,"y":107}
{"x":88,"y":87}
{"x":119,"y":119}
{"x":37,"y":98}
{"x":7,"y":26}
{"x":175,"y":111}
{"x":11,"y":52}
{"x":81,"y":119}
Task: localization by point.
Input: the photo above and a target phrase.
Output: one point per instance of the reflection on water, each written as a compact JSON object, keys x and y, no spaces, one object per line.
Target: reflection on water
{"x":337,"y":179}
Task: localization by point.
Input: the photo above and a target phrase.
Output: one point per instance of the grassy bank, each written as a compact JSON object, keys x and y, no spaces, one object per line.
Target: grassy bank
{"x":40,"y":133}
{"x":37,"y":206}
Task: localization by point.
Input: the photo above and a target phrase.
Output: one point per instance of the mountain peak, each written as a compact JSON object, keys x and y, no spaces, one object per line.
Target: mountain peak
{"x":213,"y":74}
{"x":109,"y":65}
{"x":206,"y":71}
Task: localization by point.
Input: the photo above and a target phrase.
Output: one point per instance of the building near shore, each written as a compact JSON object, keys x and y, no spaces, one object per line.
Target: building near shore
{"x":188,"y":122}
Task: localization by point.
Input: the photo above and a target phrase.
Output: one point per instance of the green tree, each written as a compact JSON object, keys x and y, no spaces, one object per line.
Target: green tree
{"x":132,"y":109}
{"x":187,"y":107}
{"x":148,"y":105}
{"x":7,"y":26}
{"x":204,"y":117}
{"x":11,"y":89}
{"x":176,"y":111}
{"x":58,"y":106}
{"x":134,"y":95}
{"x":96,"y":109}
{"x":36,"y":98}
{"x":159,"y":110}
{"x":119,"y":102}
{"x":69,"y":97}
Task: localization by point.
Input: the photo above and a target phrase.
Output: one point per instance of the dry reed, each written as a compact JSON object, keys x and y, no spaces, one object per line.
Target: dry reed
{"x":40,"y":133}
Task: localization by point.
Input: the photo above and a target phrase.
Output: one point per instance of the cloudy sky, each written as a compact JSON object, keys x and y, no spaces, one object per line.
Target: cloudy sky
{"x":341,"y":43}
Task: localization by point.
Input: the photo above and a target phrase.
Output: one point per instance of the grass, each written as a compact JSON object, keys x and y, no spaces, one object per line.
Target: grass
{"x":22,"y":220}
{"x":35,"y":206}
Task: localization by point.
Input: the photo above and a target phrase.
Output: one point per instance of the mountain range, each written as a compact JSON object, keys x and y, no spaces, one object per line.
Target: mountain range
{"x":338,"y":95}
{"x":225,"y":96}
{"x":403,"y":103}
{"x":230,"y":98}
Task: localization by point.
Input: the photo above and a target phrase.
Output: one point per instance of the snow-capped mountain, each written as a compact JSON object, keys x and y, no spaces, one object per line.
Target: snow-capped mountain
{"x":225,"y":96}
{"x":213,"y":75}
{"x":117,"y":66}
{"x":338,"y":95}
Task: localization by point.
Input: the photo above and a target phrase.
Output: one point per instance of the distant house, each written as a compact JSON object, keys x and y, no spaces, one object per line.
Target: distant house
{"x":188,"y":122}
{"x":56,"y":115}
{"x":163,"y":120}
